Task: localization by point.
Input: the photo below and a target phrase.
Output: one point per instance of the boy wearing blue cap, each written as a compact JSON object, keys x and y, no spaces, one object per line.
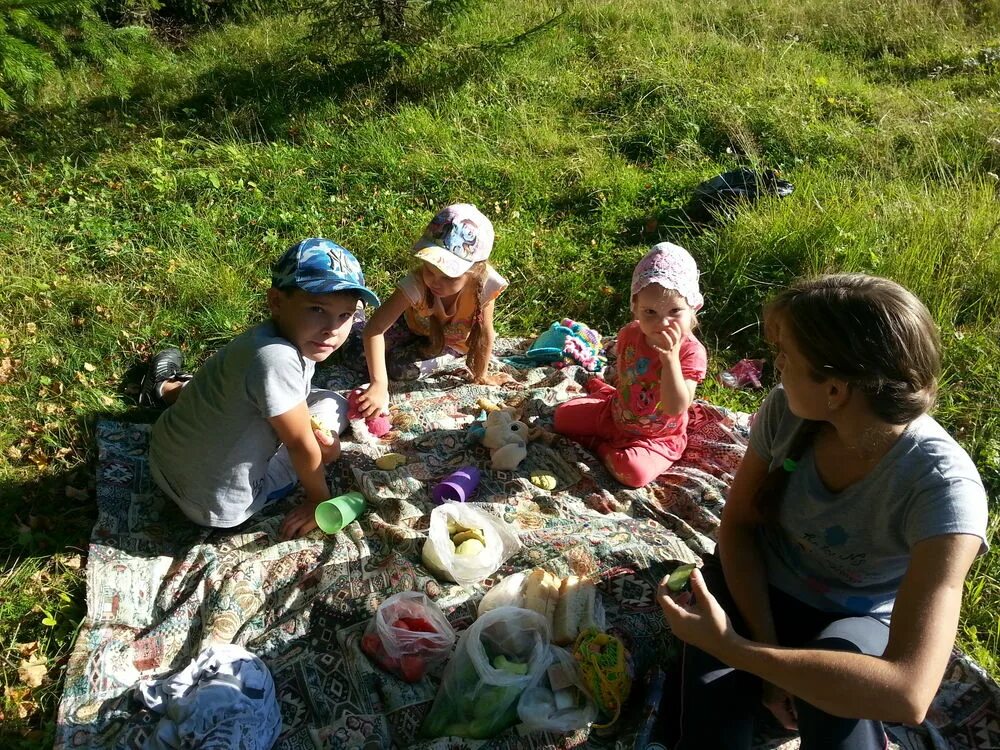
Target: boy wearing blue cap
{"x":239,"y":433}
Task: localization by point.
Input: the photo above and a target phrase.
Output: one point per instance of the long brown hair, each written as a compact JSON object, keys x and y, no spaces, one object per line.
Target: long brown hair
{"x":868,"y":331}
{"x":479,"y":354}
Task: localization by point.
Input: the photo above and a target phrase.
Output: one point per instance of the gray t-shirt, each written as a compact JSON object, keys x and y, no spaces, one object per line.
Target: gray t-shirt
{"x":209,"y":451}
{"x":847,"y":551}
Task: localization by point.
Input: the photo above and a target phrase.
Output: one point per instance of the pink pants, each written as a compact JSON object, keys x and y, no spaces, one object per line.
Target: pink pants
{"x":634,"y":461}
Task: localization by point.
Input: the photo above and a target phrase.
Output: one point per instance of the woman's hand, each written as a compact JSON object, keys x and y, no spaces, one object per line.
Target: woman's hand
{"x":696,"y":616}
{"x":780,"y":703}
{"x":373,"y":400}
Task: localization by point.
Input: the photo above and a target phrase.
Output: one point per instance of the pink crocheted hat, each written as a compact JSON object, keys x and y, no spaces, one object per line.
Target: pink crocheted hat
{"x":672,"y":267}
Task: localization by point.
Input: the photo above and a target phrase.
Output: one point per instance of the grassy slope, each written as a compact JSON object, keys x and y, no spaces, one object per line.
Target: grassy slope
{"x":129,"y":221}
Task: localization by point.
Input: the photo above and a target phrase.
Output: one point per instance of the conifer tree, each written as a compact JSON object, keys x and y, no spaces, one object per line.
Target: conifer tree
{"x":30,"y":42}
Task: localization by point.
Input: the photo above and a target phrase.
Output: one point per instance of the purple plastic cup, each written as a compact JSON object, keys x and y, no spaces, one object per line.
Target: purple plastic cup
{"x":457,"y":487}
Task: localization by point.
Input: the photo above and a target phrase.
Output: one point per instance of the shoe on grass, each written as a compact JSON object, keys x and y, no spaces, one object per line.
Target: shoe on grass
{"x":164,"y":367}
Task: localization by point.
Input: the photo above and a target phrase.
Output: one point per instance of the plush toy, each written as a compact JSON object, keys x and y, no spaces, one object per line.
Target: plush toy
{"x":502,"y":434}
{"x":507,"y":438}
{"x":376,"y":426}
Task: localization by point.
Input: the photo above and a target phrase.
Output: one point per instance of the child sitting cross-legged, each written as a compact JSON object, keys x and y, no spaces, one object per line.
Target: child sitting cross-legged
{"x":239,"y":434}
{"x":639,"y":428}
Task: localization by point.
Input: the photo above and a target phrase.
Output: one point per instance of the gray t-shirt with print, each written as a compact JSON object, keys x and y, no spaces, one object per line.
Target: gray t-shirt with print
{"x":847,"y":551}
{"x":209,"y":451}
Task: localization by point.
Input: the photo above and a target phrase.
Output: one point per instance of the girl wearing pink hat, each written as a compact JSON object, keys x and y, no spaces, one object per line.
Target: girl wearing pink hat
{"x":639,"y":429}
{"x":441,"y":311}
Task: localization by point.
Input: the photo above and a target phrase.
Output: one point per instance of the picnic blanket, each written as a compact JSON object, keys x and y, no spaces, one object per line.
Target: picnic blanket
{"x":160,"y":589}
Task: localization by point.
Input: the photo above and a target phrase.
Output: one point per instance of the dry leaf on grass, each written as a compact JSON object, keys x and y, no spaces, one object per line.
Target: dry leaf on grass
{"x":22,"y":700}
{"x":7,"y":366}
{"x":33,"y":671}
{"x":71,"y":562}
{"x":75,"y":493}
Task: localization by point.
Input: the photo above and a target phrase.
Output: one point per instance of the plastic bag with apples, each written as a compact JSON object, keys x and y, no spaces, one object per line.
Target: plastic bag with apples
{"x":465,"y":544}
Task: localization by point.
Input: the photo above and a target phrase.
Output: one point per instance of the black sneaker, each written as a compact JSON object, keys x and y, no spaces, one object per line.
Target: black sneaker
{"x":163,"y":367}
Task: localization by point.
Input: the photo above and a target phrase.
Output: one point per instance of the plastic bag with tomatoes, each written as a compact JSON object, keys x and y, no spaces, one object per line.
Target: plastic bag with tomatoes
{"x":408,"y":635}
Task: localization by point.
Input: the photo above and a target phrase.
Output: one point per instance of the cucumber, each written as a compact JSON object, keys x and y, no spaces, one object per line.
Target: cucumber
{"x":680,"y":579}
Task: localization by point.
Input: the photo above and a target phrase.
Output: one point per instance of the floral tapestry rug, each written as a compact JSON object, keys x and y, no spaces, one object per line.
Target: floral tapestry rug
{"x":160,"y":589}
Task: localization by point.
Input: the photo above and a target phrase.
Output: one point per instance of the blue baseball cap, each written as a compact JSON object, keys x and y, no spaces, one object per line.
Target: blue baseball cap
{"x":320,"y":266}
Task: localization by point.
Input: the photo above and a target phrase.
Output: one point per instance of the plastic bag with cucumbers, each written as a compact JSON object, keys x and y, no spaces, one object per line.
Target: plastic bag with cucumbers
{"x":497,"y":657}
{"x":465,"y":544}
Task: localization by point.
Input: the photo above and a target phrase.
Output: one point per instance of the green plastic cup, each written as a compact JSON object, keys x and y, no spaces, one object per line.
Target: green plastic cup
{"x":334,"y":514}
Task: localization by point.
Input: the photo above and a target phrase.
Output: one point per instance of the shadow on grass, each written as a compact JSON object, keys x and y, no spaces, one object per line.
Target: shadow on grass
{"x":55,"y":511}
{"x":49,"y":514}
{"x":259,"y":102}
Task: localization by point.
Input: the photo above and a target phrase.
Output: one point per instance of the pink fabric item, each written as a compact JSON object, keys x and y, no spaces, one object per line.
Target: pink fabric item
{"x":672,"y":267}
{"x":378,"y":425}
{"x":621,"y":424}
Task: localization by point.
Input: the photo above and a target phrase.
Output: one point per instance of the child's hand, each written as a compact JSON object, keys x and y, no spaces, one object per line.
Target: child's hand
{"x":298,"y":522}
{"x":666,"y":342}
{"x":329,"y":446}
{"x":499,"y":378}
{"x":373,"y":400}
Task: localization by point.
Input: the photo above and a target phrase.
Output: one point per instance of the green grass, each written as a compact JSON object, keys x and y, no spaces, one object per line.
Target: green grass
{"x":132,"y":215}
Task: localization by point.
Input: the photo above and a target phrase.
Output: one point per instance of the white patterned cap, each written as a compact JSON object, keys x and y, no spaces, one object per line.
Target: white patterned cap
{"x":672,"y":267}
{"x":457,"y":237}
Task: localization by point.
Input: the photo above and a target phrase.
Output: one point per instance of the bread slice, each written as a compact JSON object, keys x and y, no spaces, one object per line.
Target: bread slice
{"x":575,"y":610}
{"x":589,"y":606}
{"x":541,"y":594}
{"x":565,"y":628}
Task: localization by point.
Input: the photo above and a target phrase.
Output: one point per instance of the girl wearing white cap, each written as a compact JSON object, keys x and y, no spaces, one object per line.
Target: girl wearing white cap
{"x":446,"y":306}
{"x":639,"y":429}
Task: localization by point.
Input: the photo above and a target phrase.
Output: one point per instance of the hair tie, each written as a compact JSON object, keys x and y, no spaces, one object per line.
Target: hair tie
{"x":789,"y":465}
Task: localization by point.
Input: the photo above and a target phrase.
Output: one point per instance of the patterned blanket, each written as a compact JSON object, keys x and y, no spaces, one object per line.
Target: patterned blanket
{"x":160,"y":589}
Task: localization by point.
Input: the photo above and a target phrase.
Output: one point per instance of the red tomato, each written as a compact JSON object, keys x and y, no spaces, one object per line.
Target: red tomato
{"x":412,"y":668}
{"x":419,"y":625}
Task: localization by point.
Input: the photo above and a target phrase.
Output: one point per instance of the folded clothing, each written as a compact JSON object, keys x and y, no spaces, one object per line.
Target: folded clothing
{"x":223,"y":699}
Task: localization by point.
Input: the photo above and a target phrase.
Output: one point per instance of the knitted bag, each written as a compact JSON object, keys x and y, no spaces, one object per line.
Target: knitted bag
{"x":564,"y":343}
